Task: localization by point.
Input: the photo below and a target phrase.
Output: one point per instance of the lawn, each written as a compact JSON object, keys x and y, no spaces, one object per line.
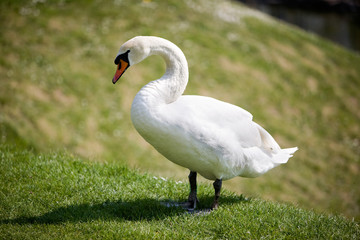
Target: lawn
{"x":57,"y":195}
{"x":56,"y":66}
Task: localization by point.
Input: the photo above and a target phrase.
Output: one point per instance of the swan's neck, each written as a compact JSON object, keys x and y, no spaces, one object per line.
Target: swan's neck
{"x":173,"y":83}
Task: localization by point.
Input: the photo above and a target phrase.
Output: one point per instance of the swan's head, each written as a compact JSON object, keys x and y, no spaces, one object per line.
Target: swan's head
{"x":133,"y":51}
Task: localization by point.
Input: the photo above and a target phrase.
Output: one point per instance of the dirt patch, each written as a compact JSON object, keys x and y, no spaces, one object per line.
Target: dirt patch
{"x":35,"y":92}
{"x":283,"y":48}
{"x":66,"y":100}
{"x":312,"y":84}
{"x":236,"y":67}
{"x":328,"y":111}
{"x":314,"y":51}
{"x":354,"y":103}
{"x":47,"y":128}
{"x":90,"y":148}
{"x":284,"y":63}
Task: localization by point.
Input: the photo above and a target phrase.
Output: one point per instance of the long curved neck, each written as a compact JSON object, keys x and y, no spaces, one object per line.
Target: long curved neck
{"x":173,"y":83}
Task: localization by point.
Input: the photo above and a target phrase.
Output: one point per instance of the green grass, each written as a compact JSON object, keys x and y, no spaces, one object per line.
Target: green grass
{"x":57,"y":195}
{"x":56,"y":66}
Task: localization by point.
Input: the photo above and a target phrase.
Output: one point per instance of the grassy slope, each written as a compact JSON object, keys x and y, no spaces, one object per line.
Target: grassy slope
{"x":56,"y":92}
{"x":57,"y":195}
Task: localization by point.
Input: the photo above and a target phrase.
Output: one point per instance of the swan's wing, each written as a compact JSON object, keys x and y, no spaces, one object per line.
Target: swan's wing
{"x":213,"y":107}
{"x":212,"y":120}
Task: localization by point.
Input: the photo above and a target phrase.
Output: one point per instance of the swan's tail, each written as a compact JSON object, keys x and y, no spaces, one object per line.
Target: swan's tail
{"x":279,"y":155}
{"x":283,"y":155}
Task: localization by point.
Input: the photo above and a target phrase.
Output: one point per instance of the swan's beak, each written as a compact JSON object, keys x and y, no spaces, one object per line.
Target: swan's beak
{"x":122,"y":66}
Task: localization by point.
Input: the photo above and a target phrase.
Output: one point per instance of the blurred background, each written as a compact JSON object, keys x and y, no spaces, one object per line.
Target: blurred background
{"x":337,"y":20}
{"x":56,"y":66}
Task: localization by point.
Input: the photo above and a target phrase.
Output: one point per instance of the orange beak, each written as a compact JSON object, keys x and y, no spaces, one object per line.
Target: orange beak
{"x":123,"y":65}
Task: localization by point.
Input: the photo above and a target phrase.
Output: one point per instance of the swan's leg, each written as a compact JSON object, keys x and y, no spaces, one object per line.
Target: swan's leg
{"x":192,"y":200}
{"x":217,"y":186}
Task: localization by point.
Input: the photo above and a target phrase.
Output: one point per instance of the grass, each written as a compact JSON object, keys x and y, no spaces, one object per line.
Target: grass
{"x":56,"y":66}
{"x":57,"y":195}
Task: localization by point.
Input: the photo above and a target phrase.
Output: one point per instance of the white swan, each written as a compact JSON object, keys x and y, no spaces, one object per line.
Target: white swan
{"x":215,"y":139}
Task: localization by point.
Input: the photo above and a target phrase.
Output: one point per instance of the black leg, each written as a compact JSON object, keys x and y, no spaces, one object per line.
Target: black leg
{"x":192,"y":200}
{"x":217,"y":186}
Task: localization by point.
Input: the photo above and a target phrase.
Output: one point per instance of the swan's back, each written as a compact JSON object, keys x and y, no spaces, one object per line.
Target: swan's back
{"x":212,"y":119}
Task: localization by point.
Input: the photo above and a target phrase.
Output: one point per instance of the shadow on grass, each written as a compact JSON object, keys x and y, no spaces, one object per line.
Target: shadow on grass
{"x":141,"y":209}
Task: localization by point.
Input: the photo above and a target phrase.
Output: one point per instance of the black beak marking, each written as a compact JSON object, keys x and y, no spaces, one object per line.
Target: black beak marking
{"x":123,"y":56}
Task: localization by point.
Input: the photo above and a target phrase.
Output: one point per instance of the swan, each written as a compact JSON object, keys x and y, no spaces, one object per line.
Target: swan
{"x":216,"y":139}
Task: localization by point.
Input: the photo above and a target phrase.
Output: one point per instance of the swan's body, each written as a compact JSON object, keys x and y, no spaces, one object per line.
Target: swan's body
{"x":216,"y":139}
